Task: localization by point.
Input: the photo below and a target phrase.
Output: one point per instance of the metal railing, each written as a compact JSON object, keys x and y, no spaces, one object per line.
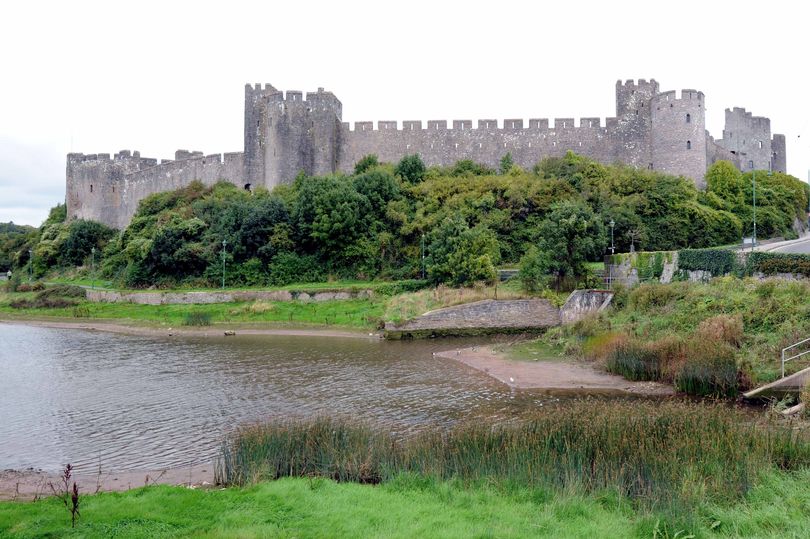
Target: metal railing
{"x":800,"y":354}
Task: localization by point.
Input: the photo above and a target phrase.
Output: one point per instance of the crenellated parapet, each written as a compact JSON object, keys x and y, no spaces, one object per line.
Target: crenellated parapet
{"x":289,"y":132}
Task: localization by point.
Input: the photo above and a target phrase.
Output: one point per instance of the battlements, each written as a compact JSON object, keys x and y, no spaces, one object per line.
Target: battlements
{"x":672,"y":96}
{"x":631,"y":83}
{"x":509,"y":124}
{"x":286,"y":132}
{"x":740,"y":114}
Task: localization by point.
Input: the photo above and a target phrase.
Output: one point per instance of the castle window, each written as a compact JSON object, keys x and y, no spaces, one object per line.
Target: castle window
{"x":760,"y":144}
{"x":91,"y":187}
{"x":650,"y":166}
{"x":688,"y":118}
{"x":688,"y":144}
{"x":751,"y":165}
{"x":247,"y":187}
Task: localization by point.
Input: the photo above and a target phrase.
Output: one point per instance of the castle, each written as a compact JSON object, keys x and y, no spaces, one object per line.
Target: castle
{"x":286,"y":133}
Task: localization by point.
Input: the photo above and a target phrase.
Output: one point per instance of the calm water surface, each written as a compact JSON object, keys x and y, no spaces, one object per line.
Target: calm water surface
{"x":138,"y":403}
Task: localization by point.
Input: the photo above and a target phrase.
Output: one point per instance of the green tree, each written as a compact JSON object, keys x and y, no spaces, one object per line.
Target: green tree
{"x":368,"y":162}
{"x":461,"y":255}
{"x":82,"y":237}
{"x":724,"y":180}
{"x":411,"y":169}
{"x":506,"y":163}
{"x":570,"y":236}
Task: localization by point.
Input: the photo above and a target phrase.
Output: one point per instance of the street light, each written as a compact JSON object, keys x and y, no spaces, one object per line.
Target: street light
{"x":93,"y":267}
{"x":612,"y":247}
{"x":224,"y":243}
{"x":423,"y":256}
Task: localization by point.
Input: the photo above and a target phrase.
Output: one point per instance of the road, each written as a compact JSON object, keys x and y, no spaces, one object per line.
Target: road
{"x":802,"y":247}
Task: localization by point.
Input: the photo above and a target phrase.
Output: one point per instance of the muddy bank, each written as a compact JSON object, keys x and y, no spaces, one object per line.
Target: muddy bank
{"x":556,"y":376}
{"x":208,"y":331}
{"x":27,"y":485}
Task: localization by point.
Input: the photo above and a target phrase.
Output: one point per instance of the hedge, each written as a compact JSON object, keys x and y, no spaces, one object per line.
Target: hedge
{"x":771,"y":263}
{"x":715,"y":261}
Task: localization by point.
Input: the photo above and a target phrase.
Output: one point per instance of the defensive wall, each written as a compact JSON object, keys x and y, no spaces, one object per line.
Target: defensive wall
{"x":286,"y":133}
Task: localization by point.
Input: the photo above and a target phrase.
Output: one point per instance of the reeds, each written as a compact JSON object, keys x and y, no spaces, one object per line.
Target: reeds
{"x":659,"y":454}
{"x":197,"y":318}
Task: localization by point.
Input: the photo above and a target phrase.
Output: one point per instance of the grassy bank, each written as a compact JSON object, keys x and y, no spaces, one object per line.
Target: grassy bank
{"x":715,"y":338}
{"x":352,"y":313}
{"x":406,"y":507}
{"x":664,"y":458}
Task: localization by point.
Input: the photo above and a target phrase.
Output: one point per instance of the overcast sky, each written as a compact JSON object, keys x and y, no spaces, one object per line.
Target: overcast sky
{"x":99,"y":77}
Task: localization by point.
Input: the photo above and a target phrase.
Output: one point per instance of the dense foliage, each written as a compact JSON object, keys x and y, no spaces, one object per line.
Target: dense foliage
{"x":454,"y":224}
{"x":12,"y":240}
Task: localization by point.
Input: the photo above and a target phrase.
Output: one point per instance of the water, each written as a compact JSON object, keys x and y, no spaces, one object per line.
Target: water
{"x":138,"y":403}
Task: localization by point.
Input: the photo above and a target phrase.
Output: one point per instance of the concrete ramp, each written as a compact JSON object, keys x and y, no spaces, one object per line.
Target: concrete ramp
{"x":478,"y":318}
{"x":789,"y":385}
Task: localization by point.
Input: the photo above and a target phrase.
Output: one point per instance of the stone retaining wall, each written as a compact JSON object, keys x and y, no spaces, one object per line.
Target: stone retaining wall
{"x":487,"y":316}
{"x":172,"y":298}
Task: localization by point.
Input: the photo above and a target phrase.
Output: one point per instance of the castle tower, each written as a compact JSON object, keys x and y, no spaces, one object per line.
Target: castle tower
{"x":287,"y":134}
{"x":749,"y":137}
{"x":255,"y":129}
{"x":632,"y":143}
{"x":679,"y":134}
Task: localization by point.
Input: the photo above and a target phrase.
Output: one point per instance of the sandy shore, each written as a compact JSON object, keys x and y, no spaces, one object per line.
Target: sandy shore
{"x":208,"y":331}
{"x":29,"y":484}
{"x":553,"y":376}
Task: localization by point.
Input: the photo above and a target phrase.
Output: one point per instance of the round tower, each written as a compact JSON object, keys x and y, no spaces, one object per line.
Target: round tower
{"x":679,"y":134}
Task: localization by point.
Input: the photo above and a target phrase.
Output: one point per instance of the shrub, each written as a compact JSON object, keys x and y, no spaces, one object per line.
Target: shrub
{"x":772,"y":263}
{"x":709,"y":371}
{"x":716,"y":261}
{"x":634,"y":361}
{"x":723,"y":328}
{"x":42,"y":303}
{"x":197,"y":318}
{"x":652,"y":295}
{"x":63,"y":291}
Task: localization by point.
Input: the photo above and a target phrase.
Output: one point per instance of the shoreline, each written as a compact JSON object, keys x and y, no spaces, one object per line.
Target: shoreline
{"x":31,"y":484}
{"x":214,"y":330}
{"x":561,"y":377}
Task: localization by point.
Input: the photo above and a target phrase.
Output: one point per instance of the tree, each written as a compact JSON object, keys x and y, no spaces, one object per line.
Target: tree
{"x":460,"y":255}
{"x":724,"y":180}
{"x":570,"y":236}
{"x":411,"y":169}
{"x":366,"y":163}
{"x":506,"y":163}
{"x":82,"y":237}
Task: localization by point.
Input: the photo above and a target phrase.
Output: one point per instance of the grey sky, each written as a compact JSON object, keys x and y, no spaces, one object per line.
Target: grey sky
{"x":98,"y":77}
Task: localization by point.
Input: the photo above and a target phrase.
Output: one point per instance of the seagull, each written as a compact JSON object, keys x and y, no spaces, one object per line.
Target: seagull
{"x":512,"y":380}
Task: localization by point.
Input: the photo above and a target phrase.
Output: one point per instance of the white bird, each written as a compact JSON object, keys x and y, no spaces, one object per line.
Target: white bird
{"x":511,"y":379}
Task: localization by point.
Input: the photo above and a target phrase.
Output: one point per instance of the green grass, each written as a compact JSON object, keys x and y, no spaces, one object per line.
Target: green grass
{"x":337,"y":285}
{"x":353,"y":313}
{"x":406,"y":507}
{"x":664,"y":456}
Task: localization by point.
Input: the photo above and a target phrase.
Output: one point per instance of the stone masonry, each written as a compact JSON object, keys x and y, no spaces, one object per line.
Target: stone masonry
{"x":287,"y":133}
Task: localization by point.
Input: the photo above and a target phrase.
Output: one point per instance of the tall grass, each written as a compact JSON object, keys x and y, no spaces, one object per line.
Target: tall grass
{"x":662,"y":455}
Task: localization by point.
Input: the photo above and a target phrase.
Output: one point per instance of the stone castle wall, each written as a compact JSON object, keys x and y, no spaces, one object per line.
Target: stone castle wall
{"x":287,"y":133}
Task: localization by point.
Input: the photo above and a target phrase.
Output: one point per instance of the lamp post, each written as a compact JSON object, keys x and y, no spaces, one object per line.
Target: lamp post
{"x":612,"y":247}
{"x":423,"y":256}
{"x":30,"y":265}
{"x":224,"y":243}
{"x":754,"y":192}
{"x":93,"y":267}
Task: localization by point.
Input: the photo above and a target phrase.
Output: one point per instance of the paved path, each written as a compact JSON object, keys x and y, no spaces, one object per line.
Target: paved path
{"x":798,"y":247}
